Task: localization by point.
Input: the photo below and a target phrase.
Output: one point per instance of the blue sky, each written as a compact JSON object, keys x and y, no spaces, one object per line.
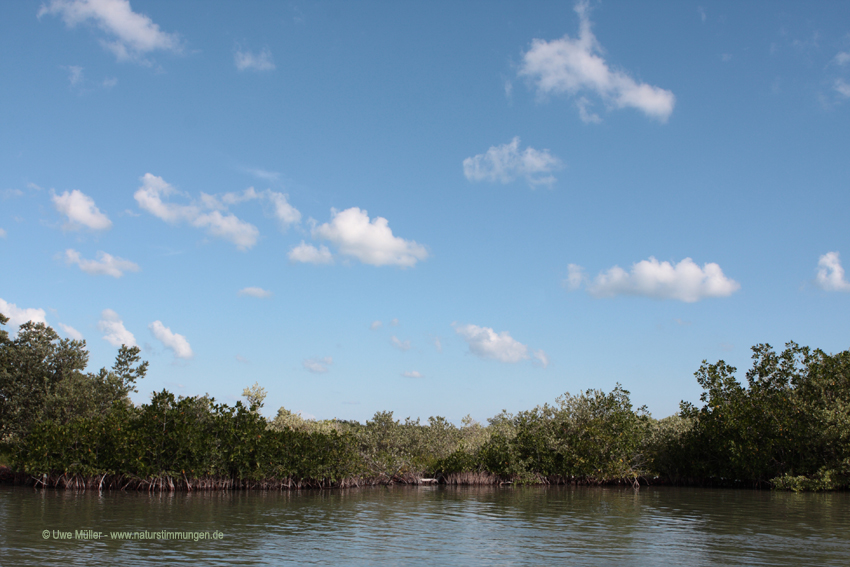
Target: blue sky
{"x":440,"y":208}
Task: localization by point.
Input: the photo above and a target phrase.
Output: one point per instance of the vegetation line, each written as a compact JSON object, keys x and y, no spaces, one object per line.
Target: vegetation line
{"x":788,"y":428}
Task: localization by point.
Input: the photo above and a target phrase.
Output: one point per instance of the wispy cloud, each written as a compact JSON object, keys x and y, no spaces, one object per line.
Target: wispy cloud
{"x":172,"y":341}
{"x":399,"y":344}
{"x":257,"y":292}
{"x":684,"y":281}
{"x":375,"y":325}
{"x":575,"y":66}
{"x":115,"y":333}
{"x":247,"y":60}
{"x":80,"y":210}
{"x":72,"y":333}
{"x":371,"y":242}
{"x":106,"y":264}
{"x":830,"y":276}
{"x":412,"y":374}
{"x":506,"y":163}
{"x":150,"y":197}
{"x":129,"y":35}
{"x":317,"y":365}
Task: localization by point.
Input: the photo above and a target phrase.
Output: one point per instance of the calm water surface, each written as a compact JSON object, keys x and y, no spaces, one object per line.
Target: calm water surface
{"x":430,"y":525}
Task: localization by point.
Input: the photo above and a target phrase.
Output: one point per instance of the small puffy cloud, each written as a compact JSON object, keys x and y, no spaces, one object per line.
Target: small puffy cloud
{"x":109,"y":82}
{"x":130,"y":35}
{"x":412,"y":374}
{"x":830,"y":273}
{"x":375,"y":325}
{"x":317,"y":365}
{"x":176,"y":343}
{"x":81,"y":211}
{"x":506,"y":163}
{"x":399,"y":344}
{"x":106,"y":264}
{"x":576,"y":66}
{"x":842,"y":88}
{"x":842,"y":58}
{"x":370,"y":242}
{"x":72,"y":333}
{"x":684,"y":281}
{"x":18,"y":316}
{"x":257,"y":292}
{"x":2,"y":233}
{"x":285,"y":213}
{"x":113,"y":327}
{"x":227,"y":226}
{"x":394,"y":322}
{"x":309,"y":254}
{"x":486,"y":343}
{"x":248,"y":61}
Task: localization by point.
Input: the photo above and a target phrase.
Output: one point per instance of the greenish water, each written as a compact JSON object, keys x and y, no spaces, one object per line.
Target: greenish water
{"x":429,"y":525}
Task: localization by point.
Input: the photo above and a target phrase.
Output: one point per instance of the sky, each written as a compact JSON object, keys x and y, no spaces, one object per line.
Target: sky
{"x":430,"y":208}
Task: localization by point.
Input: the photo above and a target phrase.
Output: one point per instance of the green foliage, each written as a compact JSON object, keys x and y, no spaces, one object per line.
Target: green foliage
{"x":789,"y":428}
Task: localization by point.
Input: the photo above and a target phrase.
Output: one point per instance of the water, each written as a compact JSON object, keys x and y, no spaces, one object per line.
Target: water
{"x":431,"y":525}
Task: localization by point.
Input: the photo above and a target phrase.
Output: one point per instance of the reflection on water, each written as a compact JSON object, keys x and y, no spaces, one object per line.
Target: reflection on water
{"x":431,"y":525}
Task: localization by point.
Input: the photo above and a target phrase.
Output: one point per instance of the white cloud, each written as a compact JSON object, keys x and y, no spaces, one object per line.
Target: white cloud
{"x":574,"y":66}
{"x":399,"y":344}
{"x":227,"y":226}
{"x":105,"y":264}
{"x":109,"y":82}
{"x":684,"y":281}
{"x":505,"y":163}
{"x":541,"y":358}
{"x":2,"y":233}
{"x":116,"y":335}
{"x":257,"y":292}
{"x":247,"y":60}
{"x":370,"y":242}
{"x":242,"y":359}
{"x":413,"y":374}
{"x":318,"y":365}
{"x":575,"y":277}
{"x":72,"y":333}
{"x":842,"y":87}
{"x":486,"y":343}
{"x":702,"y":14}
{"x":309,"y":254}
{"x":438,"y":344}
{"x":375,"y":325}
{"x":842,"y":58}
{"x":131,"y":35}
{"x":18,"y":316}
{"x":176,"y":343}
{"x":283,"y":211}
{"x":830,"y":273}
{"x":81,"y":211}
{"x":394,"y":322}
